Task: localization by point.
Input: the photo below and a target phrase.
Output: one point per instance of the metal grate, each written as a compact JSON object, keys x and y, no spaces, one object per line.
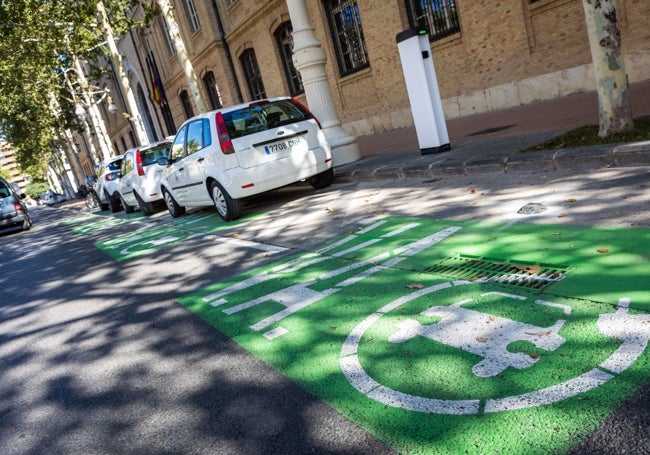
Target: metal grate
{"x":530,"y":276}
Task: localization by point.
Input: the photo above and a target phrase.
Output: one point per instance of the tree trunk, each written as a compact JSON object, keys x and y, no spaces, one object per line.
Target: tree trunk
{"x":611,"y":79}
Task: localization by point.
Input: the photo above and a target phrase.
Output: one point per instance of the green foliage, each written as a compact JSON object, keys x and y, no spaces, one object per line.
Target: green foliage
{"x":35,"y":188}
{"x":37,"y":86}
{"x":588,"y":135}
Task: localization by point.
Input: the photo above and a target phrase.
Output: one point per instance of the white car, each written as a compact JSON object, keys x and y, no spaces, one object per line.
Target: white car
{"x":139,"y":183}
{"x":108,"y":175}
{"x":220,"y":157}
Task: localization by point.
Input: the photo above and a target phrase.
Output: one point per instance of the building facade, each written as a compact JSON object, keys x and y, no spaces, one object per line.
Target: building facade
{"x":488,"y":55}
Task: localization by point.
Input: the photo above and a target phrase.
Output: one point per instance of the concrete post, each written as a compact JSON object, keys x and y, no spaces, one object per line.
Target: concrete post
{"x":309,"y":59}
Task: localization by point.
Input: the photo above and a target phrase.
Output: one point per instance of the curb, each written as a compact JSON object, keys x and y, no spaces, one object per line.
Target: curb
{"x":587,"y":158}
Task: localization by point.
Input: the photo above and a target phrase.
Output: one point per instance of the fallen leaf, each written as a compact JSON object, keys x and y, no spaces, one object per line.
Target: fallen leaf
{"x":603,"y":250}
{"x":473,"y":190}
{"x":571,"y":200}
{"x":415,"y":286}
{"x":329,"y":210}
{"x":561,"y":215}
{"x":481,"y":339}
{"x":534,"y":356}
{"x":234,"y":235}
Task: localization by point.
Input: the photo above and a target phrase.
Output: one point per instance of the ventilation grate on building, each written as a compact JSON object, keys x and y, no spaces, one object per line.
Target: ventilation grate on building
{"x":530,"y":276}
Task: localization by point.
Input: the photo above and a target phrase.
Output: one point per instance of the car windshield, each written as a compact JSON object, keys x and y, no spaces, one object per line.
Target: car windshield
{"x":153,"y":154}
{"x":263,"y":116}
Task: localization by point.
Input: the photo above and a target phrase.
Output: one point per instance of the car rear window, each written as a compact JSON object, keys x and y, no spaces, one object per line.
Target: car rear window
{"x":263,"y":116}
{"x":153,"y":154}
{"x":114,"y":165}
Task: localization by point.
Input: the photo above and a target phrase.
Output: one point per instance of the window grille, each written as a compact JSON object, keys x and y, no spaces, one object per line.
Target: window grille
{"x":284,"y":42}
{"x":194,"y":17}
{"x":345,"y":27}
{"x":438,"y":17}
{"x":253,"y":75}
{"x":212,"y":90}
{"x":187,"y":104}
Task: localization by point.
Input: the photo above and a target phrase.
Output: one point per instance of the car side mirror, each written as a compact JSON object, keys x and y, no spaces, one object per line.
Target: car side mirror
{"x":22,"y":195}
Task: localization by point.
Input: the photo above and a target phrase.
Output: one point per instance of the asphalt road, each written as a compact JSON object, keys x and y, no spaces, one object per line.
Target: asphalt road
{"x":97,"y":357}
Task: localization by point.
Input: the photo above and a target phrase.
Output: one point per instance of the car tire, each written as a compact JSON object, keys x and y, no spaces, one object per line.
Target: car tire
{"x":113,"y":204}
{"x":322,"y":180}
{"x":27,"y":224}
{"x":146,"y":208}
{"x":127,"y":208}
{"x":175,"y":210}
{"x":228,"y":208}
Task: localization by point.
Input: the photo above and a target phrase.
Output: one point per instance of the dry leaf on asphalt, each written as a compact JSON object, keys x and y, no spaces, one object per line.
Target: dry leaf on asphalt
{"x":481,"y":339}
{"x":415,"y":286}
{"x":603,"y":250}
{"x":571,"y":200}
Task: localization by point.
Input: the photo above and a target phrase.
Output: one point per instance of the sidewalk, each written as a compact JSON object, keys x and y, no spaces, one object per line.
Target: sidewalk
{"x":490,"y":142}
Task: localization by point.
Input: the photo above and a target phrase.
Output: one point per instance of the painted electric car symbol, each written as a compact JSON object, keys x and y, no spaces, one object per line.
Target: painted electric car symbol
{"x":490,"y":335}
{"x":632,"y":330}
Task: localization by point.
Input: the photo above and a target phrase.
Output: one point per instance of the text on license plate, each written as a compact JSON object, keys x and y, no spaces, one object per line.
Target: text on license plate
{"x":284,"y":145}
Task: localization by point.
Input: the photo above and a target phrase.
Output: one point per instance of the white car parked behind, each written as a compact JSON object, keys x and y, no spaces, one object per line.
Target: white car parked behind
{"x":222,"y":156}
{"x":107,"y":180}
{"x":139,"y":183}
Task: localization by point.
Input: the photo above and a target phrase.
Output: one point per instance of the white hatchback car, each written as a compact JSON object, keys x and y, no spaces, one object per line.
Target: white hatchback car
{"x":108,"y":174}
{"x":139,"y":183}
{"x":220,"y":157}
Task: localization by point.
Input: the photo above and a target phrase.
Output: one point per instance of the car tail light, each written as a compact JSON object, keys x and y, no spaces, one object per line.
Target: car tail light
{"x":17,"y":207}
{"x":138,"y":162}
{"x":307,"y":111}
{"x":224,"y":137}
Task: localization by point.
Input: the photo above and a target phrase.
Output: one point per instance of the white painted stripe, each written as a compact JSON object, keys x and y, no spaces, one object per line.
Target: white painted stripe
{"x":548,"y":395}
{"x":626,"y":354}
{"x":248,"y":244}
{"x":566,"y":308}
{"x":419,"y":404}
{"x":422,"y":244}
{"x":400,"y":230}
{"x":275,"y":333}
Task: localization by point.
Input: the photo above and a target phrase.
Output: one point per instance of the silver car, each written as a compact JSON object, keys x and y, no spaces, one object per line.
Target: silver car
{"x":13,"y":211}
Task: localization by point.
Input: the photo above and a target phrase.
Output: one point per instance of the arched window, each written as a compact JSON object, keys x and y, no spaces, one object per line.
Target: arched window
{"x":187,"y":104}
{"x":284,"y":41}
{"x":253,"y":75}
{"x":211,"y":89}
{"x":347,"y":35}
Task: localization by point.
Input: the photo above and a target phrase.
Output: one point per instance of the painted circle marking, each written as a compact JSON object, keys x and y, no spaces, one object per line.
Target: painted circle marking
{"x":633,"y":346}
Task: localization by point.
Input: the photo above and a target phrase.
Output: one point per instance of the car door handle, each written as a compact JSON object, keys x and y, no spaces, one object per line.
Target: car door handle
{"x":181,"y":169}
{"x":200,"y":160}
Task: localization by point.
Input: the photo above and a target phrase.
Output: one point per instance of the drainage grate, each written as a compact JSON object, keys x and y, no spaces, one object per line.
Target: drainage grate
{"x":530,"y":276}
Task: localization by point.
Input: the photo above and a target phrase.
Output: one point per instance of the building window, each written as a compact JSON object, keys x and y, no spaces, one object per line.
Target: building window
{"x":168,"y":37}
{"x":194,"y":18}
{"x":212,"y":90}
{"x":284,"y":41}
{"x":347,"y":35}
{"x":253,"y":75}
{"x":438,"y":17}
{"x":187,"y":104}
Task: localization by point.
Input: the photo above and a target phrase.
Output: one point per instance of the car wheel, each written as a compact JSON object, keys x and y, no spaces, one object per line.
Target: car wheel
{"x":127,"y":208}
{"x":112,"y":202}
{"x":175,"y":210}
{"x":322,"y":180}
{"x":146,"y":207}
{"x":27,"y":223}
{"x":229,"y":209}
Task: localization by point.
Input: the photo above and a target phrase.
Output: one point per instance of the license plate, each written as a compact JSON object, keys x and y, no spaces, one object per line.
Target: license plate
{"x":282,"y":146}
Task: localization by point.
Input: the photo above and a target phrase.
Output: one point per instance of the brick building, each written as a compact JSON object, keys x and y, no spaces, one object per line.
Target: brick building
{"x":488,"y":55}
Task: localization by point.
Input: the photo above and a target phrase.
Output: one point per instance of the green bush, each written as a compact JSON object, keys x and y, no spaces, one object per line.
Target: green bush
{"x":35,"y":188}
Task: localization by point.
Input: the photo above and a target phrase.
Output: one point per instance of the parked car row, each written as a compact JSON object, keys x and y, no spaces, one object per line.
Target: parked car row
{"x":220,"y":158}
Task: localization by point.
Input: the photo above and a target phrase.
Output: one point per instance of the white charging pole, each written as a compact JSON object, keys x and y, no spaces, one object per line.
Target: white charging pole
{"x":423,"y":91}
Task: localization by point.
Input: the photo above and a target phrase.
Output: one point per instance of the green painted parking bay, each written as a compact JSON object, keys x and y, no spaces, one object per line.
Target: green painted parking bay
{"x":449,"y":337}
